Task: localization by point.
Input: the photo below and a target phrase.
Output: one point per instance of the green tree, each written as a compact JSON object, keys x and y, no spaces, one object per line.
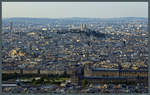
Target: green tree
{"x":34,"y":82}
{"x":84,"y":83}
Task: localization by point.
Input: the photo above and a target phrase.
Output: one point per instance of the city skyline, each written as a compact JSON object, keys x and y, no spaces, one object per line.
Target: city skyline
{"x":75,"y":56}
{"x":90,"y":47}
{"x":74,"y":9}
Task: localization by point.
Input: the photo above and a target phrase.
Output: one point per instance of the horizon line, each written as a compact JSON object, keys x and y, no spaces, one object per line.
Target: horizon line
{"x":75,"y":17}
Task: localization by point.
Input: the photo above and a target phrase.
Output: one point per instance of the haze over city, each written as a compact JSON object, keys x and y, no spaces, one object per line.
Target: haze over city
{"x":74,"y":9}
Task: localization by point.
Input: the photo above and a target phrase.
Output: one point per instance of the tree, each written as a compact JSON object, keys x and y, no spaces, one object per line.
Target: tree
{"x":84,"y":83}
{"x":34,"y":82}
{"x":65,"y":73}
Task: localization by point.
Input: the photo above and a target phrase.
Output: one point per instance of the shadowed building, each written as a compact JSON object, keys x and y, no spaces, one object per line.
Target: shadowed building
{"x":106,"y":75}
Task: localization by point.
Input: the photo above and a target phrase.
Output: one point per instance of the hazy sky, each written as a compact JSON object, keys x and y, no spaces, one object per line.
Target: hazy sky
{"x":75,"y":9}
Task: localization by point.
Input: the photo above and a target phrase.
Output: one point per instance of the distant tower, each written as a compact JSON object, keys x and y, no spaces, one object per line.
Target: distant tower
{"x":11,"y":29}
{"x":83,"y":27}
{"x":120,"y":68}
{"x":20,"y":33}
{"x":11,"y":26}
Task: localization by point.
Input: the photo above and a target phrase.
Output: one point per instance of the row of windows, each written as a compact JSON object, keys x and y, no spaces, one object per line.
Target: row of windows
{"x":117,"y":74}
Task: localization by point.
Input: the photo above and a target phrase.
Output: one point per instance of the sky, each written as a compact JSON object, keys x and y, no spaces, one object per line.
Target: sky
{"x":74,"y":9}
